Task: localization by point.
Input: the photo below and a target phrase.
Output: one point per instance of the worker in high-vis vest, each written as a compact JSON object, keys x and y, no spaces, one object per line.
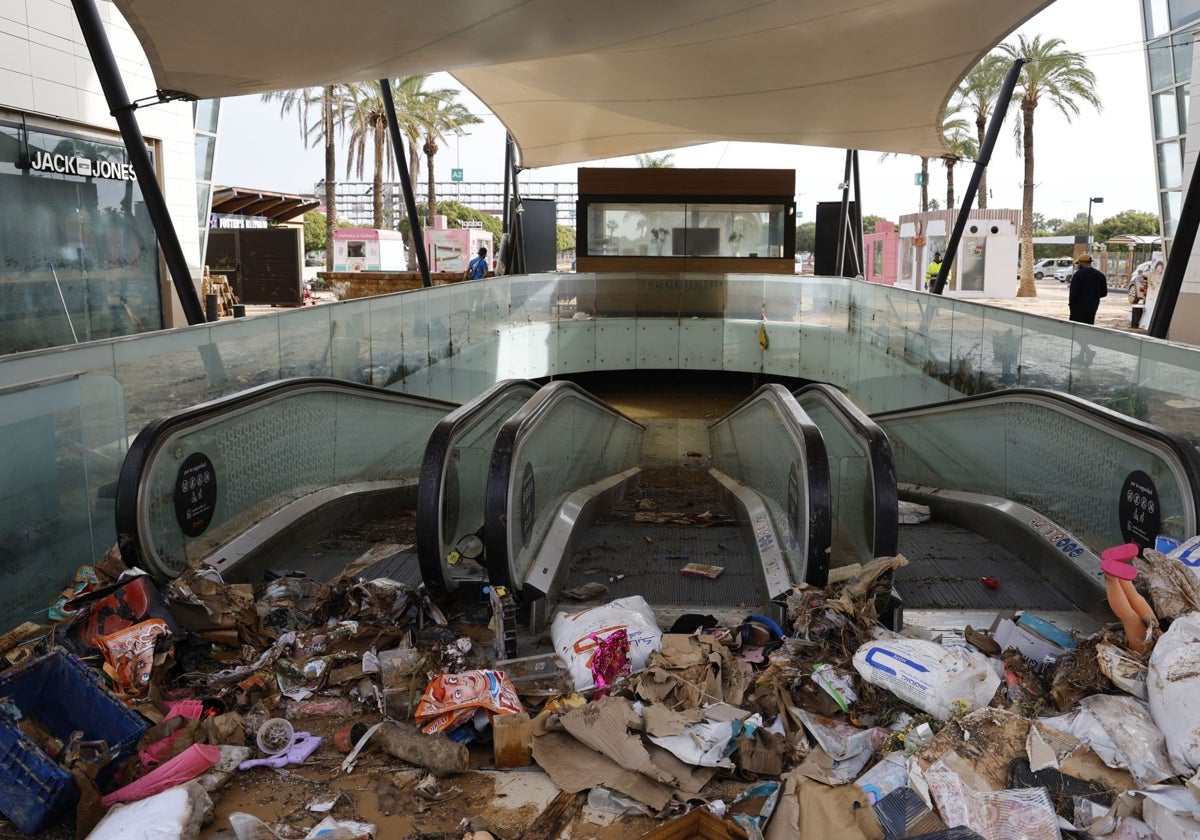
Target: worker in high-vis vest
{"x":934,"y":268}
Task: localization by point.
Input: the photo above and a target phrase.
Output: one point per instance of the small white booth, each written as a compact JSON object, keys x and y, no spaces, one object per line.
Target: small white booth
{"x":368,"y":249}
{"x":986,"y":262}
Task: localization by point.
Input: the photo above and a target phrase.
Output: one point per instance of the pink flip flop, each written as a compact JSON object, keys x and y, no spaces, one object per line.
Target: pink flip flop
{"x":1118,"y":561}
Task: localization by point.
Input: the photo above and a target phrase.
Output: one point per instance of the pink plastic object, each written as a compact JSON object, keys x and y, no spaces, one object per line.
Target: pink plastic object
{"x":160,"y":750}
{"x":303,"y":745}
{"x":1118,"y":561}
{"x":182,"y":768}
{"x":610,"y":662}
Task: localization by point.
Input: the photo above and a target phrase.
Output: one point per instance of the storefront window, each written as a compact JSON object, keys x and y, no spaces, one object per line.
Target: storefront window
{"x":671,"y":229}
{"x":78,"y":255}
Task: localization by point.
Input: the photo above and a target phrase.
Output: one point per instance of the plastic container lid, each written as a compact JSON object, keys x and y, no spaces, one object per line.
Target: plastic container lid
{"x":275,"y":736}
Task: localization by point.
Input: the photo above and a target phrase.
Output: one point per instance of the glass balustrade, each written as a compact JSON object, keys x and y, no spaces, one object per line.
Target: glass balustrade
{"x":891,"y":348}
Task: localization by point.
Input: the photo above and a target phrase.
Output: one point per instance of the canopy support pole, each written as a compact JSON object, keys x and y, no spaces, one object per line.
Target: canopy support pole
{"x":844,"y":217}
{"x":410,"y":202}
{"x":985,"y":155}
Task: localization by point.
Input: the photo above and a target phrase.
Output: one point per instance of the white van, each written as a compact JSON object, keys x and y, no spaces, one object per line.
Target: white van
{"x":1048,"y":266}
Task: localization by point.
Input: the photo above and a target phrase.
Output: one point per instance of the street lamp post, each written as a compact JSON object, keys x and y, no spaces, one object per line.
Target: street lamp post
{"x":1091,"y":201}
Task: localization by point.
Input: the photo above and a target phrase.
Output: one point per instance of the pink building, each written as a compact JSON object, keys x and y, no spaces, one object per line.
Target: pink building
{"x":881,"y":250}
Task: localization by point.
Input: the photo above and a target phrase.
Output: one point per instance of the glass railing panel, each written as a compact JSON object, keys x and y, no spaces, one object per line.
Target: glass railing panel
{"x":1107,"y":375}
{"x":1167,"y":388}
{"x":304,"y":341}
{"x":168,"y":371}
{"x":441,"y":363}
{"x":45,"y":532}
{"x":1068,"y":467}
{"x":744,"y":297}
{"x":95,"y":357}
{"x":1047,"y":346}
{"x":532,"y":298}
{"x":1001,"y":363}
{"x":768,"y":444}
{"x":413,"y":329}
{"x":602,"y":443}
{"x":700,"y":344}
{"x":265,"y":454}
{"x":966,"y":350}
{"x":387,"y":340}
{"x":350,"y":343}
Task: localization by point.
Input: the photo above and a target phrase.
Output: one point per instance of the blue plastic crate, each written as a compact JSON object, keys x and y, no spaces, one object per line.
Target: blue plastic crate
{"x":62,"y":695}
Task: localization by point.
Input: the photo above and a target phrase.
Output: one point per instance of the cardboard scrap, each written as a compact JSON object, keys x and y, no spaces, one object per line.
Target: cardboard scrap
{"x":809,"y":809}
{"x":693,"y":671}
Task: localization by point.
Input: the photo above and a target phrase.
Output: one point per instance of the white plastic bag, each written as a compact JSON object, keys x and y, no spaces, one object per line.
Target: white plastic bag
{"x":1173,"y":689}
{"x":936,"y":679}
{"x":572,"y":634}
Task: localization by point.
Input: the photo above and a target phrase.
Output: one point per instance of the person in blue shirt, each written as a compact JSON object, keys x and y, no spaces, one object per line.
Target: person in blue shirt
{"x":477,"y":268}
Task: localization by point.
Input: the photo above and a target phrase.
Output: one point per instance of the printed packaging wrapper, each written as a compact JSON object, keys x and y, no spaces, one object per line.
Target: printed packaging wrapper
{"x":129,"y":655}
{"x":451,"y":700}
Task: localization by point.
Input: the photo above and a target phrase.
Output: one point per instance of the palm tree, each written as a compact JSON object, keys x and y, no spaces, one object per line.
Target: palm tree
{"x":1062,"y":78}
{"x":368,"y":124}
{"x":443,"y":116}
{"x":961,"y":146}
{"x":977,"y":95}
{"x":323,"y":130}
{"x":666,"y":161}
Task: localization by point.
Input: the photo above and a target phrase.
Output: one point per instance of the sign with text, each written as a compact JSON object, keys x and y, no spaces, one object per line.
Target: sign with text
{"x":456,"y":174}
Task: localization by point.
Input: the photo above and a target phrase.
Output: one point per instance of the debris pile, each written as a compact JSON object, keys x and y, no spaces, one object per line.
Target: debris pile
{"x":365,"y":710}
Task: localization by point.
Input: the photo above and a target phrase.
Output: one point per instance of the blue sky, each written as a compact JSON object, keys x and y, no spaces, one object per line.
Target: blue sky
{"x":1107,"y":153}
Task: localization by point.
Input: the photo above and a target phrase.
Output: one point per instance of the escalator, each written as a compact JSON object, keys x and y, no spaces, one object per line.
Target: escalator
{"x":1026,"y":488}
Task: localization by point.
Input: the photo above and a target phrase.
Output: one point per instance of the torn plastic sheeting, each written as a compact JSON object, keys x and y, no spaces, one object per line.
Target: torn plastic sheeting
{"x":963,"y":800}
{"x":1120,"y":731}
{"x":189,"y":764}
{"x":174,"y":814}
{"x":331,"y":829}
{"x":1124,"y":670}
{"x":703,"y":744}
{"x":933,"y":678}
{"x":1173,"y":689}
{"x":842,"y":740}
{"x":837,"y":684}
{"x":1172,"y":812}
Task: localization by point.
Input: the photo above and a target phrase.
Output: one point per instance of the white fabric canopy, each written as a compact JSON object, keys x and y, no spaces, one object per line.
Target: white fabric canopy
{"x":577,"y":80}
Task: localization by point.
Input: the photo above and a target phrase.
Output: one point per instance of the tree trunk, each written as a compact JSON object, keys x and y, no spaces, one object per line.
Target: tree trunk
{"x":950,"y":185}
{"x":377,"y":183}
{"x":981,"y":130}
{"x":431,"y":149}
{"x":330,"y":176}
{"x":1027,"y":288}
{"x":414,"y":175}
{"x":924,"y":184}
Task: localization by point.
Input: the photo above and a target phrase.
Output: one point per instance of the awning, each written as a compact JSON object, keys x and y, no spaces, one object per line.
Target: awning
{"x":279,"y":207}
{"x":575,"y":80}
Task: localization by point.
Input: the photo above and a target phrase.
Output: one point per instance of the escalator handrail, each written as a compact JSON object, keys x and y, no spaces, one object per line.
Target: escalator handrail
{"x":886,"y":529}
{"x":433,"y":475}
{"x":150,"y":439}
{"x":1174,"y":444}
{"x":819,"y":493}
{"x":512,"y":433}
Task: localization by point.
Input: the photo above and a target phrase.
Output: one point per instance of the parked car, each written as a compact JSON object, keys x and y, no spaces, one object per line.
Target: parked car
{"x":1137,"y":283}
{"x":1063,"y":275}
{"x":1050,"y":265}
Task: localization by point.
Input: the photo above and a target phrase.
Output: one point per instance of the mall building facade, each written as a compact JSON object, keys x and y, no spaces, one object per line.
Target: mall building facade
{"x":79,"y":259}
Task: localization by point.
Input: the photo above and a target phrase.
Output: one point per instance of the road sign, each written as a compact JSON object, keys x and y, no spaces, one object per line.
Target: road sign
{"x":456,"y":174}
{"x":917,"y":179}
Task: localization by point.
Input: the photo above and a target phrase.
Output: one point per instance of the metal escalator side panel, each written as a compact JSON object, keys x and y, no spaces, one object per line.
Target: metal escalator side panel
{"x":880,"y":500}
{"x":561,"y":440}
{"x":442,"y":485}
{"x":770,"y":445}
{"x":1106,"y":477}
{"x":197,"y":480}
